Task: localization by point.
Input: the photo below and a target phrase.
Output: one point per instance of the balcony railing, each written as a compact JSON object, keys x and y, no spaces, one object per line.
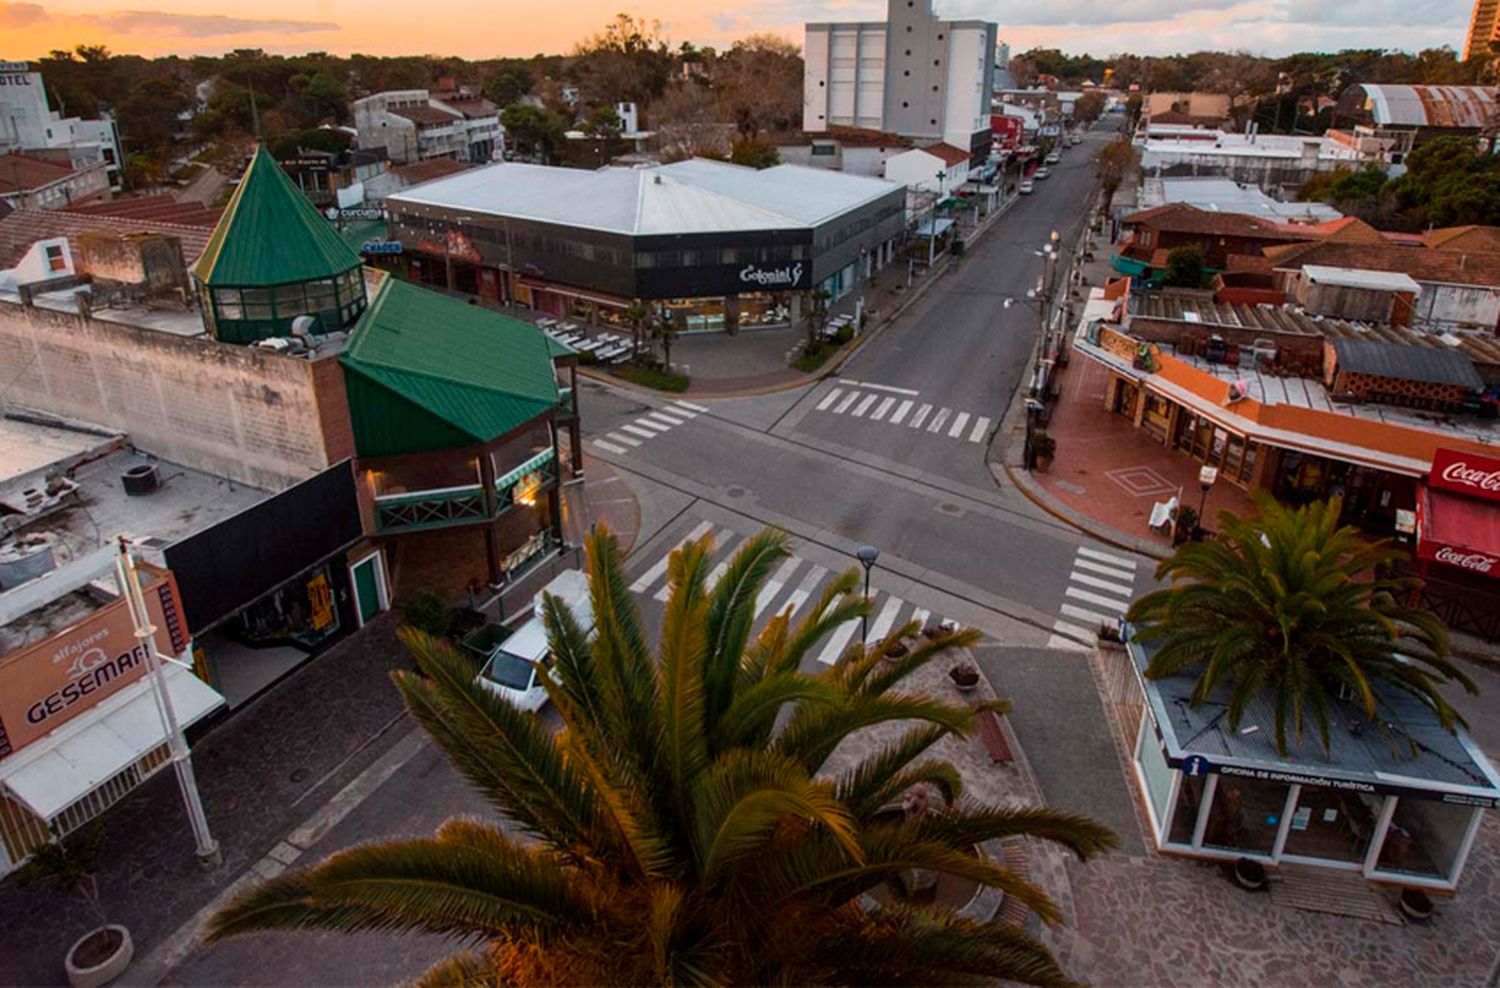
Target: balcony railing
{"x":448,"y":507}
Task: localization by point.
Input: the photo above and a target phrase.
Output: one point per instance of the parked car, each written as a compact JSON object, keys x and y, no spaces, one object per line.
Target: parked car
{"x":1027,"y":186}
{"x":1054,"y":157}
{"x":1075,"y":140}
{"x":512,"y":658}
{"x":1040,"y":173}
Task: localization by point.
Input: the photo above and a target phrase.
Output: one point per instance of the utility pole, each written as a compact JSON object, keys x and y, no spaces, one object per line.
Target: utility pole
{"x":209,"y":854}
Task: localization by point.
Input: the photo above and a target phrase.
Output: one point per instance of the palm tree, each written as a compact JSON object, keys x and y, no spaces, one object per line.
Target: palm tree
{"x":684,"y":826}
{"x":1291,"y":604}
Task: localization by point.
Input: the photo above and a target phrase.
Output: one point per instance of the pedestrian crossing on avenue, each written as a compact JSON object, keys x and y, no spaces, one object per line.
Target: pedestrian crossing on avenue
{"x":791,"y":586}
{"x":903,"y":408}
{"x":647,"y":427}
{"x":1099,"y":590}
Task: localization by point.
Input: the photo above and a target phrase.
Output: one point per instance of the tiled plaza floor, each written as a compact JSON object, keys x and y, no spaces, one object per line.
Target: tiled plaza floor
{"x":1114,"y":473}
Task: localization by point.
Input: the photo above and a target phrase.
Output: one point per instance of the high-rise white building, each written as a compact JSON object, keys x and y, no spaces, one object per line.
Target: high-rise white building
{"x":26,"y":124}
{"x":912,"y":74}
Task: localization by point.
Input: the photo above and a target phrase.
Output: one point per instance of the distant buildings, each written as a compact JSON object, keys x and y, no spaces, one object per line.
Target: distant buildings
{"x":1268,"y":160}
{"x":417,"y":125}
{"x":1484,"y":29}
{"x":915,"y":75}
{"x":1387,"y":121}
{"x":31,"y":182}
{"x":26,"y":124}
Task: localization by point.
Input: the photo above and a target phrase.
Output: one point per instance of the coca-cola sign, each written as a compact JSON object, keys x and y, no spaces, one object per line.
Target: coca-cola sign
{"x":1466,"y":473}
{"x":1476,"y":562}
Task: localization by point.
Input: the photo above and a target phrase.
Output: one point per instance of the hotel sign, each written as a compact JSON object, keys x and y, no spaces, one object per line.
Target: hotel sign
{"x":49,"y":683}
{"x":15,"y":74}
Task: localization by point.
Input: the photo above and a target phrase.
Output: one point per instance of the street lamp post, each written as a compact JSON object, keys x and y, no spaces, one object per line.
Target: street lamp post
{"x":866,"y":555}
{"x":1206,"y":478}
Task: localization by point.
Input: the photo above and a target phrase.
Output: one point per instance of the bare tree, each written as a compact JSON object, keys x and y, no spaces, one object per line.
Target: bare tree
{"x":1114,"y":162}
{"x":759,"y":82}
{"x":686,"y":122}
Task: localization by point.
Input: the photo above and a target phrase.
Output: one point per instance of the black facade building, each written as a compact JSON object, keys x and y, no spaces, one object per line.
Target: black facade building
{"x":717,"y":245}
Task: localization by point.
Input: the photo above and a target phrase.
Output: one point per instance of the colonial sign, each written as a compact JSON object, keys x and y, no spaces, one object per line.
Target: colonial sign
{"x":1466,"y":473}
{"x":48,"y":684}
{"x":786,"y":276}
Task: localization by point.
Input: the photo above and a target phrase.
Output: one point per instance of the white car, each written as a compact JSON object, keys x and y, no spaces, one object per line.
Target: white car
{"x":513,"y":659}
{"x":1040,"y":173}
{"x":1027,"y":186}
{"x":1054,"y":158}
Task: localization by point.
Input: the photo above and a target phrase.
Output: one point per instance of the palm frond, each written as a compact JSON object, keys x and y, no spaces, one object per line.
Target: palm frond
{"x":812,"y":733}
{"x":731,"y":613}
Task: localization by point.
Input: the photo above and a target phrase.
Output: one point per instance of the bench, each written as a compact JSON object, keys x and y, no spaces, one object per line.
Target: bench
{"x":992,"y":736}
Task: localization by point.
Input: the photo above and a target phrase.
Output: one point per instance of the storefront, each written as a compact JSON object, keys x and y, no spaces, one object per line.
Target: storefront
{"x":1458,"y":514}
{"x":1378,"y":802}
{"x":715,"y":246}
{"x":79,"y":723}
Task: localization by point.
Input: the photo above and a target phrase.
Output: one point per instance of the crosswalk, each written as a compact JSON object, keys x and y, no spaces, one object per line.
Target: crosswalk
{"x":647,"y":427}
{"x":788,"y":589}
{"x":1099,"y":590}
{"x":903,"y":408}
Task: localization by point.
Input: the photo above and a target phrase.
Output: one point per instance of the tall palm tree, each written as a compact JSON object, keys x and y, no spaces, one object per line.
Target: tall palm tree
{"x":1290,"y":603}
{"x":684,"y":825}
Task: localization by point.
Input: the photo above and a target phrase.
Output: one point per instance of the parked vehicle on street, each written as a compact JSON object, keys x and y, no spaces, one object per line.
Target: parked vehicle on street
{"x":1040,"y":173}
{"x":511,"y":658}
{"x":1027,"y":187}
{"x":1075,"y":140}
{"x":1054,"y":157}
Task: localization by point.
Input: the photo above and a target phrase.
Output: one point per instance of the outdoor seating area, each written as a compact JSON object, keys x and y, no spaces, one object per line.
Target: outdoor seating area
{"x":607,"y":348}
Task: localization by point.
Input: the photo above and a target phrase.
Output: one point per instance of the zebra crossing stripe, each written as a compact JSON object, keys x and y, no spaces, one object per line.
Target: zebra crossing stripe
{"x":879,"y":387}
{"x":615,"y":437}
{"x":722,"y":540}
{"x":610,"y":447}
{"x":1063,"y":644}
{"x":1093,"y":567}
{"x":849,"y":399}
{"x":660,"y":566}
{"x":1094,"y":581}
{"x":804,"y":590}
{"x":981,"y":426}
{"x":663,"y":417}
{"x":921,"y":416}
{"x":1105,"y":557}
{"x":636,"y":430}
{"x":689,"y":406}
{"x":1093,"y":617}
{"x":775,"y":583}
{"x":656,"y":427}
{"x":864,"y":406}
{"x":920,"y":615}
{"x":1089,"y":597}
{"x":1073,"y":631}
{"x":880,"y":413}
{"x":887,"y":618}
{"x":836,"y":644}
{"x":958,"y":425}
{"x":901,"y":411}
{"x":939,"y":419}
{"x":829,"y":399}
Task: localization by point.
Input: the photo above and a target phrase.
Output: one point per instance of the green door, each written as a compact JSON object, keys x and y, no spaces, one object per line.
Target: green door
{"x":367,"y":589}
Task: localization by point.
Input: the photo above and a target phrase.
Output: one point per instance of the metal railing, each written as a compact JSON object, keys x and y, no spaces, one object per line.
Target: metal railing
{"x":450,"y":506}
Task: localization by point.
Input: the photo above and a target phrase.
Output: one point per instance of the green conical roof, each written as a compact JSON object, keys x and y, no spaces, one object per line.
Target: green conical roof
{"x":271,"y":235}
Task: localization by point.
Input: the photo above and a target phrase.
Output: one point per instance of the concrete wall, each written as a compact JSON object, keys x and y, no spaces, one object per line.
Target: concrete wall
{"x":1345,"y":302}
{"x":252,"y":416}
{"x":1443,"y":306}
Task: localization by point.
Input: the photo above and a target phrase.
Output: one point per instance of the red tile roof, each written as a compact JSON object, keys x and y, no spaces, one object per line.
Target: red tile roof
{"x":426,"y":171}
{"x":425,"y":114}
{"x":1179,"y":217}
{"x":20,"y":172}
{"x":948,"y":153}
{"x":1444,"y":266}
{"x":471,"y":108}
{"x":160,"y":209}
{"x":1485,"y":238}
{"x":24,"y":227}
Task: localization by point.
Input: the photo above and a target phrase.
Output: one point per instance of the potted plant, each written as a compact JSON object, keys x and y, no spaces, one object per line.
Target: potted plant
{"x":1109,"y":635}
{"x":1043,"y":448}
{"x":72,"y":865}
{"x":1250,"y":874}
{"x":1416,"y":905}
{"x":964,"y":676}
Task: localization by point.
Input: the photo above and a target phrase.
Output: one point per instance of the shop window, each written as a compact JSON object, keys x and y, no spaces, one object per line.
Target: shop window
{"x":1332,"y":825}
{"x":1245,"y":815}
{"x":1154,"y":770}
{"x":1425,"y":839}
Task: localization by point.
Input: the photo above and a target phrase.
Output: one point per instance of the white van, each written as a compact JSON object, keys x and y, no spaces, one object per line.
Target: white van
{"x":511,"y":659}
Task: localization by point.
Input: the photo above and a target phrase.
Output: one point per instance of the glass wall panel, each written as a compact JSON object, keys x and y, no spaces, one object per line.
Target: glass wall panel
{"x":1189,"y":799}
{"x":1424,"y":838}
{"x":1245,"y":815}
{"x":1333,"y":825}
{"x":1154,"y":768}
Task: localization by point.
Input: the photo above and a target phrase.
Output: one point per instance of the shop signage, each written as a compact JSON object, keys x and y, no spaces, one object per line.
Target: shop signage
{"x":1202,"y":765}
{"x":381,"y":247}
{"x":1466,"y":473}
{"x":1469,"y":559}
{"x":786,"y":276}
{"x":15,"y":66}
{"x":48,"y":684}
{"x":357,"y":213}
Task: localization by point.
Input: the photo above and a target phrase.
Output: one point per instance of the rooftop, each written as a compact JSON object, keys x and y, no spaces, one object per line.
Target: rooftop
{"x":1452,"y":267}
{"x":20,"y":172}
{"x":847,"y":136}
{"x":1241,"y":146}
{"x":24,"y":227}
{"x":694,"y":196}
{"x":1222,"y":195}
{"x":1432,"y":106}
{"x":425,"y":115}
{"x":1406,"y":749}
{"x":425,"y":171}
{"x":1381,"y":281}
{"x":1182,"y":217}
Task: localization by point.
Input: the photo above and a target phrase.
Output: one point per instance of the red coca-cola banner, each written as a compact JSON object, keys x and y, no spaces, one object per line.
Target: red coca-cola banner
{"x":1483,"y":563}
{"x":1466,"y":473}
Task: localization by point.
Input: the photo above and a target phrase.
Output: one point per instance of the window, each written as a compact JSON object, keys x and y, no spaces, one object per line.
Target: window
{"x":1426,"y":839}
{"x":55,"y":259}
{"x":824,"y":150}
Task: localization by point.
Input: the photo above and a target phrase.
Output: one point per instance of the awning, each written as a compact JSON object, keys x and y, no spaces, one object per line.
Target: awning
{"x":89,"y":750}
{"x":1459,"y":531}
{"x":578,"y":293}
{"x":989,"y":190}
{"x":926,"y":229}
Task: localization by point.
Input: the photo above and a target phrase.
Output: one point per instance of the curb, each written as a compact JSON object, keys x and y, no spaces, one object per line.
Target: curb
{"x":1022,"y":482}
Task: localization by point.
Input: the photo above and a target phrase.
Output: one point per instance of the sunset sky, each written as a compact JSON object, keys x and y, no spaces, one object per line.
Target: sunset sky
{"x":524,"y":27}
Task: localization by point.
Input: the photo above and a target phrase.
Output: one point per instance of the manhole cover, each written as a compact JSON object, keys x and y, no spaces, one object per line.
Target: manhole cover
{"x":734,"y":490}
{"x":299,"y":775}
{"x":950,"y":509}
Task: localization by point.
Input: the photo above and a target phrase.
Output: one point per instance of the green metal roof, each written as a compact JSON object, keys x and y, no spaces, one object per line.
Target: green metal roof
{"x":426,"y":371}
{"x":271,"y":235}
{"x":356,"y":233}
